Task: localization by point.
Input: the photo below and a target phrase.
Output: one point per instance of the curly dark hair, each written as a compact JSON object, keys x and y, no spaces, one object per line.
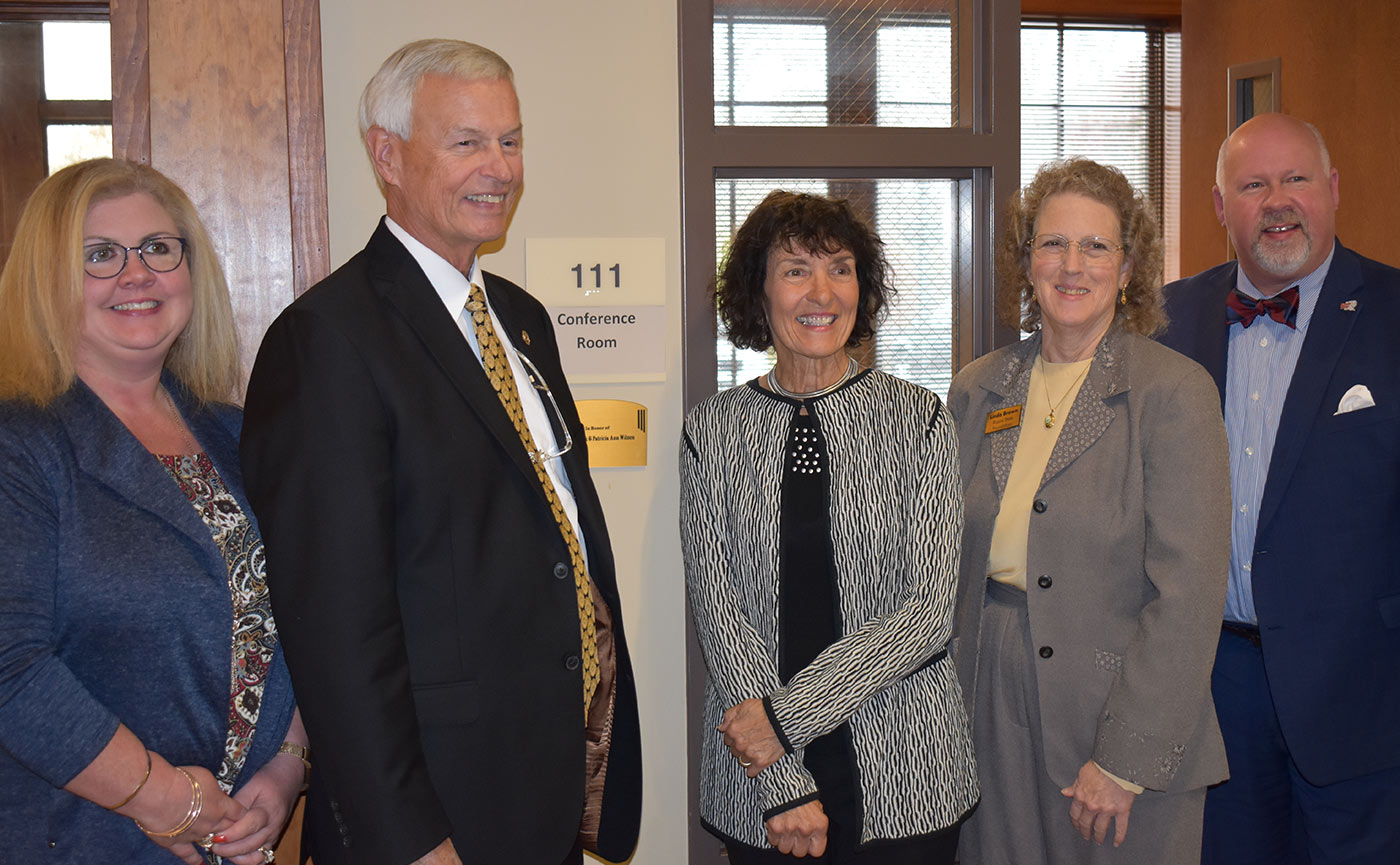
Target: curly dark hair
{"x":792,"y":220}
{"x":1142,"y":243}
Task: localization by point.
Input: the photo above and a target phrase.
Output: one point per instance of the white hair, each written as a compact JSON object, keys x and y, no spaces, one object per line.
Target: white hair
{"x":388,"y":98}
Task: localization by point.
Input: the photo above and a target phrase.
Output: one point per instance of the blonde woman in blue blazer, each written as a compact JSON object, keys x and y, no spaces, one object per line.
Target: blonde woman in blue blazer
{"x":144,"y":706}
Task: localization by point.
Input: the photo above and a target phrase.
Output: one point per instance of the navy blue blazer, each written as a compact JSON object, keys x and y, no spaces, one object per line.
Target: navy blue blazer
{"x":1326,"y":563}
{"x":114,"y":608}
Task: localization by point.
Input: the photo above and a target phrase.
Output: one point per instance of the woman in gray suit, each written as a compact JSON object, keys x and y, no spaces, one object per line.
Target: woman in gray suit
{"x":1093,"y":566}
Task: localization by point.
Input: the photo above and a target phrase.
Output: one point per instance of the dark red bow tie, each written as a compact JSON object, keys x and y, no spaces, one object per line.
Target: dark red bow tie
{"x":1282,"y":307}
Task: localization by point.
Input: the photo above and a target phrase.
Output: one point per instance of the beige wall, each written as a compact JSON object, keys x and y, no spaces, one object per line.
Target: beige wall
{"x":598,"y":86}
{"x":1340,"y":71}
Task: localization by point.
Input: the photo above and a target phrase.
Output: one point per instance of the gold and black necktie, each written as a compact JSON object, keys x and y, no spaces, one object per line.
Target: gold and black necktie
{"x":493,"y":359}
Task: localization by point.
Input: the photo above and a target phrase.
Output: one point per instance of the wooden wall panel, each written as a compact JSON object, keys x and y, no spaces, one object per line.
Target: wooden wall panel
{"x":21,"y":62}
{"x":219,"y":129}
{"x":1340,"y":69}
{"x":306,"y":143}
{"x":131,"y":82}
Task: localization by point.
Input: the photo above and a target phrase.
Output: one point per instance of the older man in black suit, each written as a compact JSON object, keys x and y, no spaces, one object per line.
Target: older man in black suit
{"x":443,"y":579}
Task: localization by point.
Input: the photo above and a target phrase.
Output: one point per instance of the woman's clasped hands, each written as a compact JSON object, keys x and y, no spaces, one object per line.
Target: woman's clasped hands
{"x":184,"y":809}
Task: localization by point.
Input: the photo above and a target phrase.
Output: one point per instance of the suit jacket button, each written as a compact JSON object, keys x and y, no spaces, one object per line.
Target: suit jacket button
{"x":1046,"y":651}
{"x":1045,"y":582}
{"x":571,"y":662}
{"x":1039,"y":506}
{"x":561,"y":570}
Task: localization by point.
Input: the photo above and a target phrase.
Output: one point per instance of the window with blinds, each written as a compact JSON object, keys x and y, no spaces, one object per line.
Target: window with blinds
{"x":816,"y":63}
{"x":919,"y":220}
{"x":1106,"y":91}
{"x":823,"y":63}
{"x":1111,"y":93}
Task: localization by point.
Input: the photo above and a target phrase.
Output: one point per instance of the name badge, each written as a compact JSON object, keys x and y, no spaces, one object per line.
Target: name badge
{"x":1002,"y":418}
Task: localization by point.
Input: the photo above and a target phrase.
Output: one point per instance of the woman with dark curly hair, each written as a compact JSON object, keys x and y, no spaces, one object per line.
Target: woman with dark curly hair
{"x":820,"y":517}
{"x":1096,"y":544}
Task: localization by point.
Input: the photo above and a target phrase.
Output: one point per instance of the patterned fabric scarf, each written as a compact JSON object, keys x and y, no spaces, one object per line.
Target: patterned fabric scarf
{"x":254,"y":637}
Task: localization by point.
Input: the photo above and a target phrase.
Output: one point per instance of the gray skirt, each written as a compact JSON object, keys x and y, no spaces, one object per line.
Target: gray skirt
{"x":1023,"y":818}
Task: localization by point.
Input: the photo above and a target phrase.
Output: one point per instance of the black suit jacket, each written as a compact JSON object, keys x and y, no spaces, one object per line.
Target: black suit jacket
{"x":416,"y":575}
{"x":1326,"y":562}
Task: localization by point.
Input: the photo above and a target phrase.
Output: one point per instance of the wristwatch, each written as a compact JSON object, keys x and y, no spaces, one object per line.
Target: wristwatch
{"x":302,"y":753}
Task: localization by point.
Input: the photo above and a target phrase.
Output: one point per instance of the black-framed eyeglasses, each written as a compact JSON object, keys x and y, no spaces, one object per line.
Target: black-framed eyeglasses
{"x":1054,"y":247}
{"x":537,"y":380}
{"x":159,"y":254}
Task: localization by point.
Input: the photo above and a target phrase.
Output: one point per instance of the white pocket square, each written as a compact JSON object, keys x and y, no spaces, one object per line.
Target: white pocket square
{"x":1358,"y":396}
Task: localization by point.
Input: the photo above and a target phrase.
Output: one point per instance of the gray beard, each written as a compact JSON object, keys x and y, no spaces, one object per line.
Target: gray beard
{"x":1283,"y":263}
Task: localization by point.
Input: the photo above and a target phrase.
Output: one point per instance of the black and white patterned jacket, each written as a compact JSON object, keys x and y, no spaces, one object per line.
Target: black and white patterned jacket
{"x":896,"y":522}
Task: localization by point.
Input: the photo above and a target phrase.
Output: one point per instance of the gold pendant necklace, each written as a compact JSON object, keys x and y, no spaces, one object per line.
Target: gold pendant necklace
{"x":1045,"y":383}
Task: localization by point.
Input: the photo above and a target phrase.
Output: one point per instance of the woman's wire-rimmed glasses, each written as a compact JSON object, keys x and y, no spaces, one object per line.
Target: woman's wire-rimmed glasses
{"x":537,"y":380}
{"x":159,"y":254}
{"x":1053,"y":247}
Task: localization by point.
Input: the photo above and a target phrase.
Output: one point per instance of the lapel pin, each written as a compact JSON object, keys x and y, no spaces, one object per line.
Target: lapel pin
{"x":1348,"y":306}
{"x":525,"y":336}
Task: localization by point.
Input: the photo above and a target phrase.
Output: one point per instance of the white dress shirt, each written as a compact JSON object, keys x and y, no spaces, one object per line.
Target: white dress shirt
{"x":452,"y":287}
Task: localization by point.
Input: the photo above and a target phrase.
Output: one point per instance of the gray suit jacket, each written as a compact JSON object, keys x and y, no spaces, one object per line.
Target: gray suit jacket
{"x":1126,"y":563}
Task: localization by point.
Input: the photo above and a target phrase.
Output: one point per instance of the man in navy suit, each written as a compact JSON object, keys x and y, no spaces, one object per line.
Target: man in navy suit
{"x":1300,"y":335}
{"x":446,"y":593}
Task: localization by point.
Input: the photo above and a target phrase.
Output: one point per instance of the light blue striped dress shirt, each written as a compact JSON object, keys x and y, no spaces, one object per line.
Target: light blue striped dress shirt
{"x":1260,"y":368}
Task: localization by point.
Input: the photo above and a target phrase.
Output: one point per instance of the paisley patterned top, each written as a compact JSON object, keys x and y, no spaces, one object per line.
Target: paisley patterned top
{"x":254,"y":633}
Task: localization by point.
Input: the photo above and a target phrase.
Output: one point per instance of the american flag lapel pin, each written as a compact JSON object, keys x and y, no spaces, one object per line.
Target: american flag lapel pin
{"x":1348,"y":306}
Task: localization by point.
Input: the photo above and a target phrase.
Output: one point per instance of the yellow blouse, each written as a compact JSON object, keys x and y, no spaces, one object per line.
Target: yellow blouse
{"x":1006,"y":563}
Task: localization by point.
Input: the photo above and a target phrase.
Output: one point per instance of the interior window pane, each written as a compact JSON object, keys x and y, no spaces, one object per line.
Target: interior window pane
{"x":777,"y":75}
{"x":68,"y":144}
{"x":77,"y":60}
{"x":923,"y":223}
{"x":1085,"y":92}
{"x":915,"y":76}
{"x":780,"y":115}
{"x":1171,"y":158}
{"x":1115,"y":137}
{"x":919,"y":222}
{"x":844,"y":63}
{"x":724,"y":104}
{"x":1106,"y":67}
{"x":1092,"y":90}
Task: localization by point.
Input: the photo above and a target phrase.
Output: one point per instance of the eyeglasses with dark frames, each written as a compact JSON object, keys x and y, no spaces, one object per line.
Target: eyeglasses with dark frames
{"x":160,"y":254}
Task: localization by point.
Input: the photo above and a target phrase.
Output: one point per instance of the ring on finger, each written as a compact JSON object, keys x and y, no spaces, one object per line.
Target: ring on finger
{"x":268,"y":855}
{"x":207,"y":841}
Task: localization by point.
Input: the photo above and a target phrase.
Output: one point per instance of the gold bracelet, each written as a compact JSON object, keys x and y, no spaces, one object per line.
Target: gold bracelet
{"x":302,"y":753}
{"x":196,"y":806}
{"x":132,"y":794}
